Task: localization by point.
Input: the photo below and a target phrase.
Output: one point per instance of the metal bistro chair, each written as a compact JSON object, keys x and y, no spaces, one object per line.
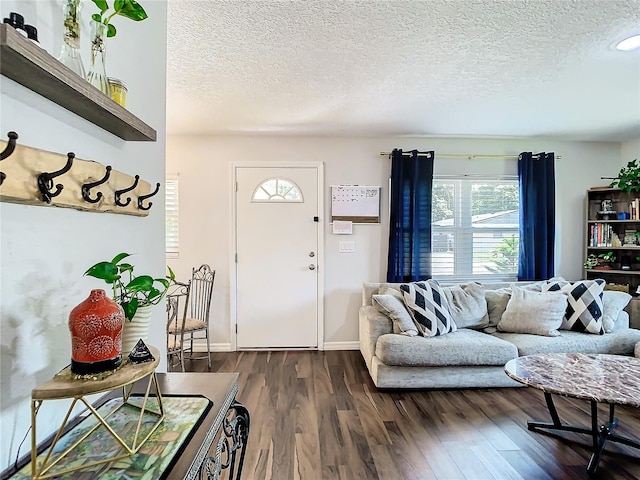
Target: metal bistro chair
{"x":197,"y":321}
{"x":177,"y":304}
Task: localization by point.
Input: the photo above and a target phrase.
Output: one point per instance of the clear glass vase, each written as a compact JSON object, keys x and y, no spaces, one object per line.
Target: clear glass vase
{"x":70,"y":53}
{"x":97,"y":75}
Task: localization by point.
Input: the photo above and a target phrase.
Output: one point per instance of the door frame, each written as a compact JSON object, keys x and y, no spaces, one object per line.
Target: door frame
{"x":233,"y":277}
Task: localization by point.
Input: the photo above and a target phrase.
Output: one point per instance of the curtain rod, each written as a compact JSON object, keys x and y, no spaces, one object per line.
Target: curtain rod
{"x":470,"y":156}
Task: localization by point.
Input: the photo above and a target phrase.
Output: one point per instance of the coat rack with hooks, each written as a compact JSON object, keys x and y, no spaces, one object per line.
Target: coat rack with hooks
{"x":36,"y":177}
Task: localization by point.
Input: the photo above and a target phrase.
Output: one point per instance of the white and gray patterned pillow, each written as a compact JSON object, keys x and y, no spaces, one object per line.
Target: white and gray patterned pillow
{"x":428,"y":306}
{"x":584,"y":307}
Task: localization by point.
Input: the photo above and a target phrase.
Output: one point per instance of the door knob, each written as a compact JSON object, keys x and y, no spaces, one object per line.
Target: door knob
{"x":312,"y":254}
{"x":312,"y":267}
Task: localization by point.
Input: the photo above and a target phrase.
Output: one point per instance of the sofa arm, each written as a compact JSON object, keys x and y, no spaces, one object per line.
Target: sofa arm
{"x":372,"y":325}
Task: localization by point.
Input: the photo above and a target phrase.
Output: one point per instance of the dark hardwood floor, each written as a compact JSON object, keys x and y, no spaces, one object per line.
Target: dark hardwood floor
{"x":317,"y":415}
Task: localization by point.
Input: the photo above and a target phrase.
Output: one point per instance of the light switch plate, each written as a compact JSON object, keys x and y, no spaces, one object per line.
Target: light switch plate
{"x":347,"y":247}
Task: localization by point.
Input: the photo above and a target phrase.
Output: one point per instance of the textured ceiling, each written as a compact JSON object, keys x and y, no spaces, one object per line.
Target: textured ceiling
{"x":435,"y":67}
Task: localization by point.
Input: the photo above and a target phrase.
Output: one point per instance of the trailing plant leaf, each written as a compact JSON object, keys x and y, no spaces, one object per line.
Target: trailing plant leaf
{"x":132,"y":292}
{"x":126,"y":8}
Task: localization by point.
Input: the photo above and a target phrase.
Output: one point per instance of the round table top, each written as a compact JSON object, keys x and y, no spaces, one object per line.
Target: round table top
{"x":64,"y":385}
{"x":603,"y":378}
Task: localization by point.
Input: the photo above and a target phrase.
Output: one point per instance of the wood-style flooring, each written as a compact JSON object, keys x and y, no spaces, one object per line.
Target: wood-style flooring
{"x":317,"y":415}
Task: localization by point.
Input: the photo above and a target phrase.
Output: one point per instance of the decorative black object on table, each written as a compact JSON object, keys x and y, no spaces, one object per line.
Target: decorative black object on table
{"x":612,"y":379}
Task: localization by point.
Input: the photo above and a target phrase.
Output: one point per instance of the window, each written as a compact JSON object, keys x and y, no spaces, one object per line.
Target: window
{"x":277,"y":190}
{"x":475,"y":228}
{"x":172,"y":236}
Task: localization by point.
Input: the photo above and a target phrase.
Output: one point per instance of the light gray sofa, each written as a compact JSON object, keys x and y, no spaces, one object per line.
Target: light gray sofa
{"x":466,"y":358}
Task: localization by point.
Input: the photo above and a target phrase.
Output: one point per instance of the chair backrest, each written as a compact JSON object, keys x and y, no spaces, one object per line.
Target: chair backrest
{"x":201,"y":292}
{"x":177,"y":304}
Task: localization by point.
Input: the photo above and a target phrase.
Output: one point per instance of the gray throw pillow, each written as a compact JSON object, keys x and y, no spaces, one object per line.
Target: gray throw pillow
{"x":614,"y":302}
{"x":536,"y":313}
{"x":496,"y":304}
{"x":394,"y":308}
{"x":467,"y":305}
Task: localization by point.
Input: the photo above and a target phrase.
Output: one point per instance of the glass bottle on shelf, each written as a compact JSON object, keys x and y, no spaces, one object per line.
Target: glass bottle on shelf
{"x":97,"y":75}
{"x":70,"y":53}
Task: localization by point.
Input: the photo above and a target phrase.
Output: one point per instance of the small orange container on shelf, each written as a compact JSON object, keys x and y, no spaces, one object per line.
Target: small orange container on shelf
{"x":118,"y":91}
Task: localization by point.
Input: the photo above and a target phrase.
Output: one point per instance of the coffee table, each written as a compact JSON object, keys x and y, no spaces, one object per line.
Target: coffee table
{"x":611,"y":379}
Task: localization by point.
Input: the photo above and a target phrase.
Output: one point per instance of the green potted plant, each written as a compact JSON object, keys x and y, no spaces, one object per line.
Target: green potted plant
{"x":131,"y":292}
{"x":606,"y":262}
{"x":135,"y":294}
{"x":628,"y":179}
{"x":590,"y":262}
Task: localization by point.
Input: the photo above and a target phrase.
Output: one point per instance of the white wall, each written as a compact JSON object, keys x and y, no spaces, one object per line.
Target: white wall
{"x":205,"y":205}
{"x":44,"y":251}
{"x":630,"y":151}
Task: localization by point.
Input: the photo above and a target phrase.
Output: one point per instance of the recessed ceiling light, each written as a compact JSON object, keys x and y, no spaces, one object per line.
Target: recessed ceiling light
{"x":630,"y":43}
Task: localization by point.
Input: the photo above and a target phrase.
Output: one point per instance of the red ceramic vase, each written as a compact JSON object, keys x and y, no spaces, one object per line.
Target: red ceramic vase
{"x":96,"y":334}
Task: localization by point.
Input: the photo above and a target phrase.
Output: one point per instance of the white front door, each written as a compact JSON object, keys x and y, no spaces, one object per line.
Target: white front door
{"x":277,"y":232}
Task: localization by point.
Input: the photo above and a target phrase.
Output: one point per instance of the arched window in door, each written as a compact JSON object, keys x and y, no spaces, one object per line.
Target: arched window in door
{"x":277,"y":190}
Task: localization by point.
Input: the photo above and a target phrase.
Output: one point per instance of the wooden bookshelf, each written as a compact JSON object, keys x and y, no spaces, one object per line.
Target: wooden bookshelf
{"x":594,"y":245}
{"x":31,"y":66}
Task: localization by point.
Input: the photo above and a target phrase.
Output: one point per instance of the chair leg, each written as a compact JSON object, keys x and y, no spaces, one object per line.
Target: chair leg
{"x":208,"y":349}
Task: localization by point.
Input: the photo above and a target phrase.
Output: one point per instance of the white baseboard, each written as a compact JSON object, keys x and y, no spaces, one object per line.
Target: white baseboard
{"x":355,"y":345}
{"x":226,"y":347}
{"x":215,"y":347}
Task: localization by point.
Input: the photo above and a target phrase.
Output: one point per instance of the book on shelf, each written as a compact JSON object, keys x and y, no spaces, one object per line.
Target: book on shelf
{"x":601,"y":235}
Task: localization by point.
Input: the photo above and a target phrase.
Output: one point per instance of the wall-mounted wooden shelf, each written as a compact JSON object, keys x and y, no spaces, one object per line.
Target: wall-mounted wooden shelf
{"x":31,"y":66}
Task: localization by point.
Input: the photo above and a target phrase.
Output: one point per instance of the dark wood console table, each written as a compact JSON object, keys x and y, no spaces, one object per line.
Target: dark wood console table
{"x":220,"y":441}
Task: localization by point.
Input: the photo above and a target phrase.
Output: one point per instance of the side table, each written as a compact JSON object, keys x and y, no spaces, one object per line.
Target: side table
{"x":65,"y":385}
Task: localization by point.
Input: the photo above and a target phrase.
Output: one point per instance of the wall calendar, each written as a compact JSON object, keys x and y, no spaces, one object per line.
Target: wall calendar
{"x":355,"y":203}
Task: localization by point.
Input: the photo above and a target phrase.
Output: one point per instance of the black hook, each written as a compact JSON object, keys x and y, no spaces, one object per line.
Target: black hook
{"x":144,"y":197}
{"x":88,"y":186}
{"x":8,"y":150}
{"x":45,"y":180}
{"x":120,"y":192}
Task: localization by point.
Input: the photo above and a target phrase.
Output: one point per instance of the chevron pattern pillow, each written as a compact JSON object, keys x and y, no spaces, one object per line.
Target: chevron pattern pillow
{"x":428,"y":307}
{"x":585,"y":307}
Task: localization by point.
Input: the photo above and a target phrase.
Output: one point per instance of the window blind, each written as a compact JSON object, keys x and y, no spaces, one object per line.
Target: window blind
{"x":172,"y":235}
{"x":475,"y":228}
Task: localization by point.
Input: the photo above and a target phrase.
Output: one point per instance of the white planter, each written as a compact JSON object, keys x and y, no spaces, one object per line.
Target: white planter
{"x":136,"y":329}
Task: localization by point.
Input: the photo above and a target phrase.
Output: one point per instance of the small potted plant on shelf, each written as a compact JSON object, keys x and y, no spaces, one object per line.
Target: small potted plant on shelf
{"x":590,"y":262}
{"x":605,"y":261}
{"x":135,"y":294}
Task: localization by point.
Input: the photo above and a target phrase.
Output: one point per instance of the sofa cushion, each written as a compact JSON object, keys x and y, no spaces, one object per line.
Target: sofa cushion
{"x":496,"y":304}
{"x":467,"y":305}
{"x":619,"y":342}
{"x":532,"y":312}
{"x":614,"y":302}
{"x":584,"y":306}
{"x":428,"y":308}
{"x":462,"y":347}
{"x":393,"y":306}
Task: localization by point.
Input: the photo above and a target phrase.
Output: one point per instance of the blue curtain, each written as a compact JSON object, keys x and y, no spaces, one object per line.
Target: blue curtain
{"x":410,"y":216}
{"x":537,"y":216}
